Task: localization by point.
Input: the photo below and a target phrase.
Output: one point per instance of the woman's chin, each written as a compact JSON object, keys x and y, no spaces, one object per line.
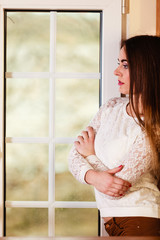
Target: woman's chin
{"x":122,"y":91}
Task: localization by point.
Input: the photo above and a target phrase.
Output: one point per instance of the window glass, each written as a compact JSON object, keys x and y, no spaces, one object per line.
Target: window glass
{"x":28,"y":41}
{"x":67,"y":188}
{"x":27,"y":108}
{"x":26,"y":222}
{"x":76,"y":222}
{"x":77,"y":101}
{"x":26,"y":172}
{"x":78,"y":51}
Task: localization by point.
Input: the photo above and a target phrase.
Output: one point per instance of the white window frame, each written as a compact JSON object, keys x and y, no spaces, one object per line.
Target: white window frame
{"x":111,"y":23}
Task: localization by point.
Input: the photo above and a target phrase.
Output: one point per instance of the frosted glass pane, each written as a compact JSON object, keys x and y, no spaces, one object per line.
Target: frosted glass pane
{"x":67,"y":188}
{"x":76,"y":103}
{"x":28,"y":41}
{"x":27,"y":108}
{"x":27,"y":172}
{"x":76,"y":222}
{"x":78,"y":40}
{"x":26,"y":222}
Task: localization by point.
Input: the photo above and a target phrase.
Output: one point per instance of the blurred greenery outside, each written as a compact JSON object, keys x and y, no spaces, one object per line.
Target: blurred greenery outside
{"x":68,"y":222}
{"x":27,"y":115}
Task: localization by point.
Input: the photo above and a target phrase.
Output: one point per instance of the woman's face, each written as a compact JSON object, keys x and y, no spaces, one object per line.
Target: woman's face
{"x":122,"y":72}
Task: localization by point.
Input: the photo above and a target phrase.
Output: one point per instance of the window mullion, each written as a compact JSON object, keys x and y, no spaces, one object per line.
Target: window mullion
{"x":47,"y":140}
{"x":46,"y":204}
{"x":51,"y":182}
{"x":43,"y":75}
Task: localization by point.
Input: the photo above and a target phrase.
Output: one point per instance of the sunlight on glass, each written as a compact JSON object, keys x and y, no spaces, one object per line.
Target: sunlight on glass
{"x":77,"y":101}
{"x":79,"y":50}
{"x":76,"y":222}
{"x":26,"y":222}
{"x":26,"y":172}
{"x":28,"y":42}
{"x":27,"y":107}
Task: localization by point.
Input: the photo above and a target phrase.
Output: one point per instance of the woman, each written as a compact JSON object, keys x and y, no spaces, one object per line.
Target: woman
{"x":119,"y":153}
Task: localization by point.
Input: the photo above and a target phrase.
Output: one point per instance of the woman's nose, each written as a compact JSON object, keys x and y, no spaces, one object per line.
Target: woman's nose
{"x":117,"y":72}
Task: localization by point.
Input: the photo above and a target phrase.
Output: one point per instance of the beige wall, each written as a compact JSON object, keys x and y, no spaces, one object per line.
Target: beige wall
{"x":142,"y":17}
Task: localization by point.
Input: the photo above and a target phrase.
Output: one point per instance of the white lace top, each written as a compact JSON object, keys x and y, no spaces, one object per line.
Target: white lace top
{"x":120,"y":141}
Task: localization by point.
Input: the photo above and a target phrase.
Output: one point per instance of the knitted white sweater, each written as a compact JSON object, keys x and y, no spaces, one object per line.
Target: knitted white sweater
{"x":120,"y":141}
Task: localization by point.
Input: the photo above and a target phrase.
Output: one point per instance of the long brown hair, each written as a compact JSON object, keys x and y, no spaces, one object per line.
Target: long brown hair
{"x":143,"y":55}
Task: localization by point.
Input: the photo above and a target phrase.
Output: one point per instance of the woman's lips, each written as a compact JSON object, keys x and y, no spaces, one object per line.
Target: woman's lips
{"x":120,"y":83}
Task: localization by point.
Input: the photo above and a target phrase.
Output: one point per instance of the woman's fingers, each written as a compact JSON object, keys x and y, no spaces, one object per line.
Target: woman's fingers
{"x":91,"y":132}
{"x":77,"y":145}
{"x":120,"y":191}
{"x":109,"y":183}
{"x":85,"y":144}
{"x":112,"y":193}
{"x":115,"y":170}
{"x":121,"y":182}
{"x":85,"y":135}
{"x":118,"y":187}
{"x":80,"y":139}
{"x":117,"y":180}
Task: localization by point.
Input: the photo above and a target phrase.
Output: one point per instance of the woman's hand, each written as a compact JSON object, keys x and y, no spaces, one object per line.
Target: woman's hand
{"x":85,"y":143}
{"x":107,"y":183}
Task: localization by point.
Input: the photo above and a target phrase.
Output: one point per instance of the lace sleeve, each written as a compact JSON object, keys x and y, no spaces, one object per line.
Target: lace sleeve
{"x":137,"y":161}
{"x":78,"y":165}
